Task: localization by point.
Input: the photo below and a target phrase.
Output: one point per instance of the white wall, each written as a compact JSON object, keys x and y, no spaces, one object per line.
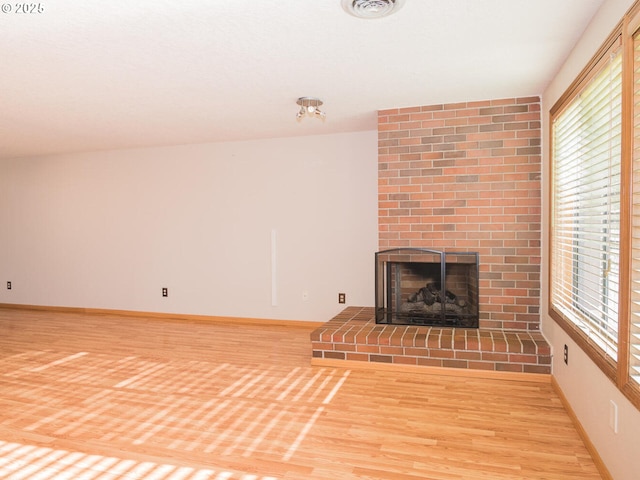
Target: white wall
{"x":110,"y":229}
{"x":588,"y":390}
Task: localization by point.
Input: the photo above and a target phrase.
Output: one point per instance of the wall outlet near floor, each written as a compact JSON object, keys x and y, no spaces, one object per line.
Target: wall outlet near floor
{"x":305,"y":296}
{"x":8,"y":285}
{"x":613,"y":416}
{"x":165,"y":292}
{"x":342,"y":298}
{"x":566,"y":355}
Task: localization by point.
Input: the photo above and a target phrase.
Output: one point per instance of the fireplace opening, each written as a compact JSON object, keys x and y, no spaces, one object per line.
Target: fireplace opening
{"x":427,"y":287}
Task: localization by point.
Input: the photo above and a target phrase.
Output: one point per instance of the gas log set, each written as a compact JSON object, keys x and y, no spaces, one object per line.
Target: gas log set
{"x":430,"y":299}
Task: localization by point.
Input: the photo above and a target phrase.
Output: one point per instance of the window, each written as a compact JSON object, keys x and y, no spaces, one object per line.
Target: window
{"x":585,"y":245}
{"x":594,"y":270}
{"x":634,"y":327}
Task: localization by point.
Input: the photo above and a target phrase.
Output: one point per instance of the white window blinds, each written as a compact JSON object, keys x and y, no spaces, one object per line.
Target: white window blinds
{"x":585,"y":218}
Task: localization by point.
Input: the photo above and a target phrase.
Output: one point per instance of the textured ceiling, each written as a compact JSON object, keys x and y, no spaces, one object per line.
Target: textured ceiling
{"x":93,"y":75}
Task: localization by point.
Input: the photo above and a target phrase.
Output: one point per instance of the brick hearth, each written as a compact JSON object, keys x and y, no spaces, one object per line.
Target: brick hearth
{"x":354,"y":335}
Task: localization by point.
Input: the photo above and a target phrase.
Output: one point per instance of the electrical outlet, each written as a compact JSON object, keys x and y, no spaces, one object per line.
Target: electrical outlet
{"x":305,"y":296}
{"x":165,"y":292}
{"x":8,"y":285}
{"x":566,"y":355}
{"x":342,"y":298}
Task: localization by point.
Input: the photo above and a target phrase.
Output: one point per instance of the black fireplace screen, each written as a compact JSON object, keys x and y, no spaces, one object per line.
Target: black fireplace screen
{"x":427,"y":287}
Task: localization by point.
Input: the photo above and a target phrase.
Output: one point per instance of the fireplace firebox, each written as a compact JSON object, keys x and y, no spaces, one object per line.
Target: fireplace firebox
{"x":416,"y":286}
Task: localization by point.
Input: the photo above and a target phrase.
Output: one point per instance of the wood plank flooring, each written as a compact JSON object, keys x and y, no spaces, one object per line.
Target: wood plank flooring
{"x":115,"y":397}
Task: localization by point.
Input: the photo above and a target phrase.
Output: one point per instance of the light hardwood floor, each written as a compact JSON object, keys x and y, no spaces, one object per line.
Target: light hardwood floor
{"x":115,"y":397}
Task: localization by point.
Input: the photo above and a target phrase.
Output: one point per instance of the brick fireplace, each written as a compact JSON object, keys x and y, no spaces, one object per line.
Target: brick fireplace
{"x":460,"y":177}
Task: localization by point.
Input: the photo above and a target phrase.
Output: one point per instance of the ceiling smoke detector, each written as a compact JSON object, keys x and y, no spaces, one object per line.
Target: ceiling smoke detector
{"x":371,"y":8}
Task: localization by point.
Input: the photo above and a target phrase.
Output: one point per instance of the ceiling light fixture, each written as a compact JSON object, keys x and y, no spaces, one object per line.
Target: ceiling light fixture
{"x":371,"y":8}
{"x":309,"y":106}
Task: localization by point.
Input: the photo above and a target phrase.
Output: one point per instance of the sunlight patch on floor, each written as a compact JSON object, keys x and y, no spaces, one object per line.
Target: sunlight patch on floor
{"x":193,"y":406}
{"x":27,"y":462}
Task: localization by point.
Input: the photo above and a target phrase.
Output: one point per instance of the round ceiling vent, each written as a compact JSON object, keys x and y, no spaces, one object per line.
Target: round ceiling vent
{"x":371,"y":8}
